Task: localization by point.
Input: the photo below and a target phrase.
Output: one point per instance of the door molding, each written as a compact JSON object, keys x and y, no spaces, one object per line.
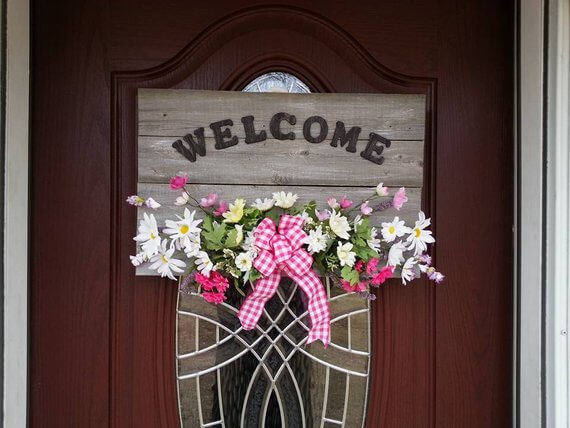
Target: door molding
{"x":16,"y":213}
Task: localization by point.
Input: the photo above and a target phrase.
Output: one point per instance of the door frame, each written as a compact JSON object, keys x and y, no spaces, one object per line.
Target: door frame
{"x":541,"y":315}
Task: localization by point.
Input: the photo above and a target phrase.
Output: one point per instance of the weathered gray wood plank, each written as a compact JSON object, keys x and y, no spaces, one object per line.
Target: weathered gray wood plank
{"x":176,"y":112}
{"x":282,"y":162}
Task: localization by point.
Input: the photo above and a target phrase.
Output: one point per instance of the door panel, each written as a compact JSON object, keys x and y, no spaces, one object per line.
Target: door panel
{"x":102,"y":350}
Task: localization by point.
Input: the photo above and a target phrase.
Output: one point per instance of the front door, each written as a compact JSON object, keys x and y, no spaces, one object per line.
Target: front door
{"x":103,"y":341}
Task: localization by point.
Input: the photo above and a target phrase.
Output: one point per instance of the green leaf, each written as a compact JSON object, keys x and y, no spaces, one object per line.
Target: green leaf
{"x":231,"y":240}
{"x":214,"y":237}
{"x":349,"y":274}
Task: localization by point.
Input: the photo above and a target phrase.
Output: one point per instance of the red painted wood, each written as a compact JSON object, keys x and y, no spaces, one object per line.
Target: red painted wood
{"x":102,"y":348}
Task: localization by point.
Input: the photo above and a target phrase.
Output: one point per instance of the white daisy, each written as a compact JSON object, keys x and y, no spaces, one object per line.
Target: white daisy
{"x":357,"y":222}
{"x":192,"y":245}
{"x":138,"y":259}
{"x":203,"y":263}
{"x":396,"y":254}
{"x":284,"y":200}
{"x":408,"y":273}
{"x":148,"y":235}
{"x":394,"y":229}
{"x":339,"y":225}
{"x":181,"y":231}
{"x":345,"y":255}
{"x":263,"y":205}
{"x":243,"y":262}
{"x":316,"y":240}
{"x":373,"y":242}
{"x":165,"y":264}
{"x":419,"y":238}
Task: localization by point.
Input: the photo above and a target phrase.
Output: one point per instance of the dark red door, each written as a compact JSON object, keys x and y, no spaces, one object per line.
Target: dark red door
{"x":102,"y":348}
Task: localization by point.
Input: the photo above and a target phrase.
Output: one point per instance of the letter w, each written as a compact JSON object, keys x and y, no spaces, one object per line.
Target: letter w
{"x":188,"y":147}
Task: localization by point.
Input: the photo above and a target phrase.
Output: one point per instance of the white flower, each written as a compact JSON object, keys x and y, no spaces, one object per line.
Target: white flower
{"x":203,"y":263}
{"x":248,"y":245}
{"x":395,"y":255}
{"x":339,"y":225}
{"x":419,"y":238}
{"x":239,"y":236}
{"x":243,"y":262}
{"x":381,"y":190}
{"x":345,"y":255}
{"x":284,"y":200}
{"x":182,"y":200}
{"x":138,"y":259}
{"x":316,"y":240}
{"x":307,"y":219}
{"x":408,"y":270}
{"x":148,"y":235}
{"x":192,"y":245}
{"x":394,"y":229}
{"x":165,"y":264}
{"x":181,"y":231}
{"x":373,"y":242}
{"x":151,"y":203}
{"x":357,"y":222}
{"x":263,"y":205}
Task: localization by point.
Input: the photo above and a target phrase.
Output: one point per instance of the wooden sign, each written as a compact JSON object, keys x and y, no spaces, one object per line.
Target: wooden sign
{"x":253,"y":144}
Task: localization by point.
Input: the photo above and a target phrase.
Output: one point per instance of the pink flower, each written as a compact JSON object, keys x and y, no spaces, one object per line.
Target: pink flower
{"x":365,"y":209}
{"x":345,"y":203}
{"x":349,"y":288}
{"x":178,"y":182}
{"x":206,"y":283}
{"x":222,"y":208}
{"x":209,"y":201}
{"x":372,"y":266}
{"x":400,"y":198}
{"x":425,"y":258}
{"x":221,"y":282}
{"x":382,"y":276}
{"x":333,"y":203}
{"x":359,"y":265}
{"x":322,"y":216}
{"x":214,"y":297}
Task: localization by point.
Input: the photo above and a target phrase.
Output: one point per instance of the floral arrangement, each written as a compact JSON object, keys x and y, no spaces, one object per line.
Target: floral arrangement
{"x":240,"y":243}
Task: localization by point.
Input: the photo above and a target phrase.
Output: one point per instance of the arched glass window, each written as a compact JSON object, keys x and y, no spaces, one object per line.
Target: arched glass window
{"x":277,"y":81}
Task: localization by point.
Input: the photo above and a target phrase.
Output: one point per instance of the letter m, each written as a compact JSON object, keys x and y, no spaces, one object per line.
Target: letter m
{"x":350,"y":137}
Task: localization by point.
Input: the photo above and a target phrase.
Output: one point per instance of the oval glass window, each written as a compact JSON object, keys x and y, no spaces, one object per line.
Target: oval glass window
{"x":228,"y":377}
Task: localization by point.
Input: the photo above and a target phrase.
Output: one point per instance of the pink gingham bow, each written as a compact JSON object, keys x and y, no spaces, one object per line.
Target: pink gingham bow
{"x":281,"y":253}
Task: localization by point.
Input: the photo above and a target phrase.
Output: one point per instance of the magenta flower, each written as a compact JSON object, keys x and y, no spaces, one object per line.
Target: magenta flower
{"x":220,"y":281}
{"x":381,"y":277}
{"x":323,"y":215}
{"x":359,"y":266}
{"x":214,"y":297}
{"x":400,"y":198}
{"x":178,"y":182}
{"x":209,"y":201}
{"x":372,"y":266}
{"x":365,"y":209}
{"x":345,"y":203}
{"x":349,"y":288}
{"x":222,"y":208}
{"x":204,"y":281}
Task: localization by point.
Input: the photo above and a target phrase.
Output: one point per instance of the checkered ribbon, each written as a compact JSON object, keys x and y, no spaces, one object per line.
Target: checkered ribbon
{"x":280,"y":253}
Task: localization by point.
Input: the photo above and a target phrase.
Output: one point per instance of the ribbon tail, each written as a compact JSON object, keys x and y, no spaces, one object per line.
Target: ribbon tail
{"x":318,"y":306}
{"x":252,"y":308}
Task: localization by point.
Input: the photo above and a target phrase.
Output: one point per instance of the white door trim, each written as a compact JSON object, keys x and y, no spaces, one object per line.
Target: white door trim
{"x":16,"y":214}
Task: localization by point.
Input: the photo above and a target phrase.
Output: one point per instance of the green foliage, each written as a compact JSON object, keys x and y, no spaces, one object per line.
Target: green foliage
{"x":213,"y":235}
{"x":231,"y":240}
{"x":349,"y":274}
